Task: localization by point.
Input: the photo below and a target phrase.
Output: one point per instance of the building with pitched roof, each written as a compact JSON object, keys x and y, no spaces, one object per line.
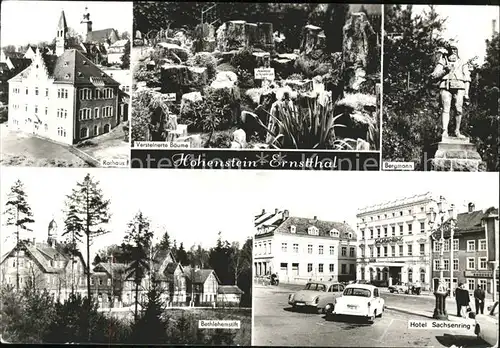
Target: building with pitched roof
{"x":229,"y":295}
{"x":473,"y":263}
{"x":299,"y":249}
{"x":47,"y":264}
{"x":64,"y":97}
{"x":394,"y":241}
{"x":202,"y":285}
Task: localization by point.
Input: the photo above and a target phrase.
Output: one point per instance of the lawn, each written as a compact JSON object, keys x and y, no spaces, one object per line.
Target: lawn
{"x":107,"y":146}
{"x":20,"y":149}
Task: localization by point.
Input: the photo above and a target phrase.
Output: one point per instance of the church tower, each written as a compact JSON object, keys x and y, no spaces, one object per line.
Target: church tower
{"x":52,"y":233}
{"x":86,"y":24}
{"x":62,"y":30}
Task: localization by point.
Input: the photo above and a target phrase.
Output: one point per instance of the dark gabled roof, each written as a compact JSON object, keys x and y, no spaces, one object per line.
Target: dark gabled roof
{"x":198,"y":276}
{"x":20,"y":63}
{"x":111,"y":268}
{"x":100,"y":36}
{"x":324,"y":227}
{"x":490,"y":211}
{"x":171,"y":267}
{"x":469,"y":221}
{"x":229,"y":289}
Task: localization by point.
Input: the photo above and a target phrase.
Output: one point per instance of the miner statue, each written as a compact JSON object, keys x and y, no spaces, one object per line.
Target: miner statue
{"x":453,"y":77}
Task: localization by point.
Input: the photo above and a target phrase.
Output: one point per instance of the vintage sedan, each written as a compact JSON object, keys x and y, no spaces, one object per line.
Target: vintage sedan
{"x":487,"y":325}
{"x":316,"y":295}
{"x":399,"y":288}
{"x":360,"y":300}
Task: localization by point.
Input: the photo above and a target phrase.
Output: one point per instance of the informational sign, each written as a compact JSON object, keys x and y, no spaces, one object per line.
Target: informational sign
{"x":171,"y":97}
{"x":264,"y":74}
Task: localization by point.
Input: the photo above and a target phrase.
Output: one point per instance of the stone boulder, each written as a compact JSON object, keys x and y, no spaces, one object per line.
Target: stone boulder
{"x":188,"y":99}
{"x":236,"y":35}
{"x":240,"y":137}
{"x":174,"y":50}
{"x":311,"y":39}
{"x":175,"y":78}
{"x":225,"y":79}
{"x":265,"y":38}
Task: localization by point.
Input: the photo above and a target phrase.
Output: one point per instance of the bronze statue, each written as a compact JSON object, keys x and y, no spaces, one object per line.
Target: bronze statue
{"x":454,"y":81}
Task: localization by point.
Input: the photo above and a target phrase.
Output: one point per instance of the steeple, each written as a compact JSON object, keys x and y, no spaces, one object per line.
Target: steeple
{"x":62,"y":29}
{"x":86,"y":24}
{"x":52,"y":232}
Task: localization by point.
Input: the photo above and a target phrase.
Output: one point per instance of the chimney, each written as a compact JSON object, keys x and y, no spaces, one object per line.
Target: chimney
{"x":286,"y":214}
{"x":263,"y":211}
{"x":471,"y":207}
{"x":34,"y":241}
{"x":276,"y":211}
{"x":315,"y":218}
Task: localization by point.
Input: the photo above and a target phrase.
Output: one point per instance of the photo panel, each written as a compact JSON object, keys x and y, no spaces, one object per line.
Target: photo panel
{"x":64,"y":95}
{"x":440,"y":88}
{"x":402,"y":265}
{"x":256,"y":85}
{"x":176,"y":273}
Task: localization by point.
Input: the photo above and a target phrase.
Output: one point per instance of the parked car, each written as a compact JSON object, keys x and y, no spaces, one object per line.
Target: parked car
{"x":362,"y":281}
{"x":316,"y":295}
{"x":487,"y":325}
{"x":399,"y":288}
{"x":360,"y":300}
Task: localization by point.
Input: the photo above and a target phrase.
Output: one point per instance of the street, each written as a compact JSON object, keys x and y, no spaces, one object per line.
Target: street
{"x":276,"y":324}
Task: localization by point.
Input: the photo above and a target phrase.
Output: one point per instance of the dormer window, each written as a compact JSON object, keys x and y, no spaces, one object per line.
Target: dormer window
{"x":293,"y":229}
{"x":84,"y":62}
{"x":334,"y":233}
{"x":80,"y":74}
{"x":66,"y":76}
{"x":313,"y":231}
{"x":66,"y":63}
{"x":350,"y":235}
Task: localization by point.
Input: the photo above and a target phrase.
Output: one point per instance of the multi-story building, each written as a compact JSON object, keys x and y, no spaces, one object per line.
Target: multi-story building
{"x":299,"y":249}
{"x":46,"y":265}
{"x":64,"y":97}
{"x":470,"y":264}
{"x":394,"y":241}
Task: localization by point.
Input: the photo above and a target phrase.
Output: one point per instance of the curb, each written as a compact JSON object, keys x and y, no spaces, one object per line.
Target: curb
{"x":407,"y":311}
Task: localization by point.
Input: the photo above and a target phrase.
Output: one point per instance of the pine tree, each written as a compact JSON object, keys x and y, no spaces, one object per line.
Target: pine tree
{"x":88,"y":214}
{"x":136,"y":246}
{"x":18,"y":214}
{"x":73,"y":230}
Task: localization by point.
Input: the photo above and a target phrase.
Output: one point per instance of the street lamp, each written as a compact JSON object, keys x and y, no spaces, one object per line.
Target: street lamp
{"x":442,"y":221}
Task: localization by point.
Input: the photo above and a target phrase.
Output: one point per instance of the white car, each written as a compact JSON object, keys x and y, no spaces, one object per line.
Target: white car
{"x":360,"y":300}
{"x":487,"y":325}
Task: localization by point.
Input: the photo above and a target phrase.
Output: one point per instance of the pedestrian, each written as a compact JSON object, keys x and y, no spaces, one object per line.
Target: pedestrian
{"x":479,"y":296}
{"x":418,"y":287}
{"x":464,"y":301}
{"x":459,"y":299}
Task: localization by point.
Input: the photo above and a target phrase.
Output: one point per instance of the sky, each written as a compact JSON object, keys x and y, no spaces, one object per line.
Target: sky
{"x":193,"y":208}
{"x":469,"y":25}
{"x":26,"y":22}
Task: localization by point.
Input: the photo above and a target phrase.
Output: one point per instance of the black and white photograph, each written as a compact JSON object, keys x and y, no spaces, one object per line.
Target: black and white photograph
{"x":407,"y":263}
{"x":65,"y":83}
{"x":98,"y":260}
{"x":441,"y":87}
{"x":253,"y":76}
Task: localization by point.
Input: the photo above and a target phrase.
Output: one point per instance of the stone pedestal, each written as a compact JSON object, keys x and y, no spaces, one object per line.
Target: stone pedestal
{"x":457,"y":155}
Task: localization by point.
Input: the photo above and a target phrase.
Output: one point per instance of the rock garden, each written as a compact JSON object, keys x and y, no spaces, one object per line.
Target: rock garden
{"x":245,"y":85}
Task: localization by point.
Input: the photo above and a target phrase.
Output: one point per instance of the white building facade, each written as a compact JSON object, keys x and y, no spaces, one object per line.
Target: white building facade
{"x":301,"y":249}
{"x":394,"y":242}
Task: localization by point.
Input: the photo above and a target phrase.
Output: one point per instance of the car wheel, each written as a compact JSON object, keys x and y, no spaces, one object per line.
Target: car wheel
{"x":381,"y":312}
{"x":371,"y":319}
{"x":391,"y":291}
{"x":477,"y":330}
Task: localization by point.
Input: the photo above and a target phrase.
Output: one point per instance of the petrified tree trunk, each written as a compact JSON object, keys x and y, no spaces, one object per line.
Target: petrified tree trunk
{"x":252,"y":34}
{"x":236,"y":35}
{"x":356,"y":48}
{"x":310,"y":35}
{"x":265,"y":36}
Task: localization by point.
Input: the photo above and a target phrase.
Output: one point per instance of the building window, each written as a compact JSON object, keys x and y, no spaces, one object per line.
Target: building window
{"x":437,"y":246}
{"x":331,"y":268}
{"x":422,"y":249}
{"x":482,"y":244}
{"x":362,"y":252}
{"x":471,"y":245}
{"x":446,"y":264}
{"x":62,"y":93}
{"x":36,"y":90}
{"x":344,"y":251}
{"x":46,"y":92}
{"x":26,"y":90}
{"x":284,"y":247}
{"x":107,"y":93}
{"x":422,"y":276}
{"x":385,"y":231}
{"x":471,"y":284}
{"x":446,"y":245}
{"x":36,"y":109}
{"x":371,"y":250}
{"x":410,"y":275}
{"x":85,"y":94}
{"x":320,"y":250}
{"x":96,"y":130}
{"x":313,"y":231}
{"x":410,"y":228}
{"x":393,"y":250}
{"x":343,"y":269}
{"x":393,"y":230}
{"x":400,"y":230}
{"x":422,"y":227}
{"x":61,"y":131}
{"x":309,"y":267}
{"x":378,"y":232}
{"x":471,"y":263}
{"x":436,"y":265}
{"x":309,"y":249}
{"x":332,"y":249}
{"x":483,"y":263}
{"x":455,"y":264}
{"x":400,"y":250}
{"x":410,"y":250}
{"x":100,"y":281}
{"x":295,"y":248}
{"x":362,"y":234}
{"x":482,"y":283}
{"x":91,"y":281}
{"x":385,"y":251}
{"x":371,"y":233}
{"x":455,"y":244}
{"x":378,"y":252}
{"x":85,"y":114}
{"x":352,"y":251}
{"x":320,"y":268}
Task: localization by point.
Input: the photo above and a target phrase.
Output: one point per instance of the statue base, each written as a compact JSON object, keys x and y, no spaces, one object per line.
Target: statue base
{"x":457,"y":155}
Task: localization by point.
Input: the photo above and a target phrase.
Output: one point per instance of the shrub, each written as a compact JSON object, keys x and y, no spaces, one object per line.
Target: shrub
{"x":306,"y":66}
{"x":206,"y":60}
{"x":244,"y":63}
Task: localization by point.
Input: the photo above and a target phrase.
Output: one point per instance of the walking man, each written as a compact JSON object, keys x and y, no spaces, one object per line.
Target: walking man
{"x":479,"y":296}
